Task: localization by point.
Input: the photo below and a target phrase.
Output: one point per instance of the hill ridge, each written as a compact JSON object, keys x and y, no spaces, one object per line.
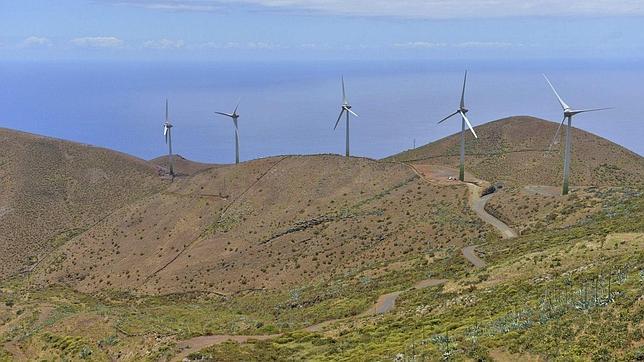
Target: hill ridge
{"x":515,"y":150}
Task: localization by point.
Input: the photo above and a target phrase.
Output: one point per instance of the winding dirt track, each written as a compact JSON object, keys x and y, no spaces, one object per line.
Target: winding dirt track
{"x":386,"y":302}
{"x":440,"y":175}
{"x":470,"y":255}
{"x":198,"y":343}
{"x":478,"y":205}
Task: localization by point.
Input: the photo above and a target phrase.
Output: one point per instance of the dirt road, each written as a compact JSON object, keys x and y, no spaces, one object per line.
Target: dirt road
{"x":470,"y":254}
{"x":477,"y":203}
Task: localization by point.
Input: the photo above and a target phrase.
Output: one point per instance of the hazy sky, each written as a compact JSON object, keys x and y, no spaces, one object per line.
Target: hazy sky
{"x":321,"y":29}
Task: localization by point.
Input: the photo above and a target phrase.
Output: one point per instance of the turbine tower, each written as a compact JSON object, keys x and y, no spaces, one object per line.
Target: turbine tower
{"x":167,"y":132}
{"x":234,"y":117}
{"x":462,"y":111}
{"x":346,"y":108}
{"x":568,"y":113}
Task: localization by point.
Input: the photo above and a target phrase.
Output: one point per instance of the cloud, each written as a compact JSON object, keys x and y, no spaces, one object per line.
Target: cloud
{"x":172,"y":5}
{"x":413,"y":8}
{"x":487,"y":44}
{"x":253,"y":45}
{"x":315,"y":46}
{"x":469,"y":44}
{"x":35,"y":42}
{"x":419,"y":45}
{"x":98,"y":42}
{"x":164,"y":44}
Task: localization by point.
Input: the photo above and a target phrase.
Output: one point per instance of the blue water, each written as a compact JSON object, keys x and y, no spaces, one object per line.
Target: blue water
{"x":290,"y":108}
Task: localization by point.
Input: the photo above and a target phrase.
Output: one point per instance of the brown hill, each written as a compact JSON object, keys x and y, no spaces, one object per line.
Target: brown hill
{"x":182,"y":166}
{"x":268,"y":223}
{"x":279,"y":221}
{"x":52,"y":190}
{"x":514,"y":150}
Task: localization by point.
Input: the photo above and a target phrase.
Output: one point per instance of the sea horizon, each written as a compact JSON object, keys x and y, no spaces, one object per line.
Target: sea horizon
{"x":290,"y":107}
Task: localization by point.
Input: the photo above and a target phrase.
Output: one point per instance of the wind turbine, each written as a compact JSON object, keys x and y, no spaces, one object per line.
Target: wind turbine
{"x":234,"y":117}
{"x":568,"y":113}
{"x":167,"y":133}
{"x":346,"y":108}
{"x":462,"y":111}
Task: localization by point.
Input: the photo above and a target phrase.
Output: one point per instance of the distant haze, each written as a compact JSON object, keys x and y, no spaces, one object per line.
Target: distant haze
{"x":290,"y":108}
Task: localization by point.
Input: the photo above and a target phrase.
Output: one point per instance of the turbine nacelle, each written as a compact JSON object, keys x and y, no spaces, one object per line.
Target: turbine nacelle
{"x":568,"y":112}
{"x":234,"y":116}
{"x":167,"y":134}
{"x":346,"y":107}
{"x":462,"y":110}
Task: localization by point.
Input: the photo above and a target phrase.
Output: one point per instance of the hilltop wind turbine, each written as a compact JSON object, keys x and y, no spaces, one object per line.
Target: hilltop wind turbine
{"x":462,"y":111}
{"x":568,"y":113}
{"x":234,"y":117}
{"x":167,"y":133}
{"x":346,"y":108}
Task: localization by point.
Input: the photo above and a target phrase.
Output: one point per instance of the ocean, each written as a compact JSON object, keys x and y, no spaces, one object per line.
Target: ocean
{"x":291,"y":107}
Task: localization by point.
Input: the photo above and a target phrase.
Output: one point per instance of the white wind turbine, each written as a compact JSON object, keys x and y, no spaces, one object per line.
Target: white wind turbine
{"x":568,"y":113}
{"x":167,"y":133}
{"x":346,"y":108}
{"x":462,"y":111}
{"x":234,"y":117}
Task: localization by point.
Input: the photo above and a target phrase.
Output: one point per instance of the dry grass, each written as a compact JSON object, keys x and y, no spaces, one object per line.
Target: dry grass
{"x":529,"y":211}
{"x":181,"y":165}
{"x":51,"y":190}
{"x":277,"y":244}
{"x":266,"y":224}
{"x":514,"y":151}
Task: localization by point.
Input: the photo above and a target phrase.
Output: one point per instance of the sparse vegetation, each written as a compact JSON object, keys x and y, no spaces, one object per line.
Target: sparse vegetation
{"x":315,"y":241}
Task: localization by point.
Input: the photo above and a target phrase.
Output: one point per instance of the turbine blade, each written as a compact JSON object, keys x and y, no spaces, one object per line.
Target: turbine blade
{"x":554,"y":139}
{"x":344,"y":93}
{"x":236,"y":107}
{"x":166,"y":110}
{"x":448,"y":117}
{"x":469,"y":124}
{"x":564,"y":106}
{"x":338,"y":121}
{"x":224,"y":114}
{"x":352,"y":112}
{"x":590,"y":110}
{"x":165,"y":130}
{"x":463,"y":93}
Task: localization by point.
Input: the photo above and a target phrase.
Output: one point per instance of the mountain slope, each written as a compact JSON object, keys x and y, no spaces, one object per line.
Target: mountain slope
{"x":304,"y":253}
{"x":52,"y":190}
{"x":514,"y":150}
{"x":182,"y":166}
{"x":268,"y":223}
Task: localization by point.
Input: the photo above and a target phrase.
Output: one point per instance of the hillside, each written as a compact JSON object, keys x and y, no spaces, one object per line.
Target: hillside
{"x":182,"y":166}
{"x":514,"y":151}
{"x":327,"y":258}
{"x":269,"y":223}
{"x":52,"y":190}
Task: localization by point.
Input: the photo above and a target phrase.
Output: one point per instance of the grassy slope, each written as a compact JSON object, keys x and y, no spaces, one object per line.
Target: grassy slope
{"x":53,"y":190}
{"x":536,"y":298}
{"x":544,"y":295}
{"x":514,"y":151}
{"x":182,"y":166}
{"x":532,"y":300}
{"x":270,"y":223}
